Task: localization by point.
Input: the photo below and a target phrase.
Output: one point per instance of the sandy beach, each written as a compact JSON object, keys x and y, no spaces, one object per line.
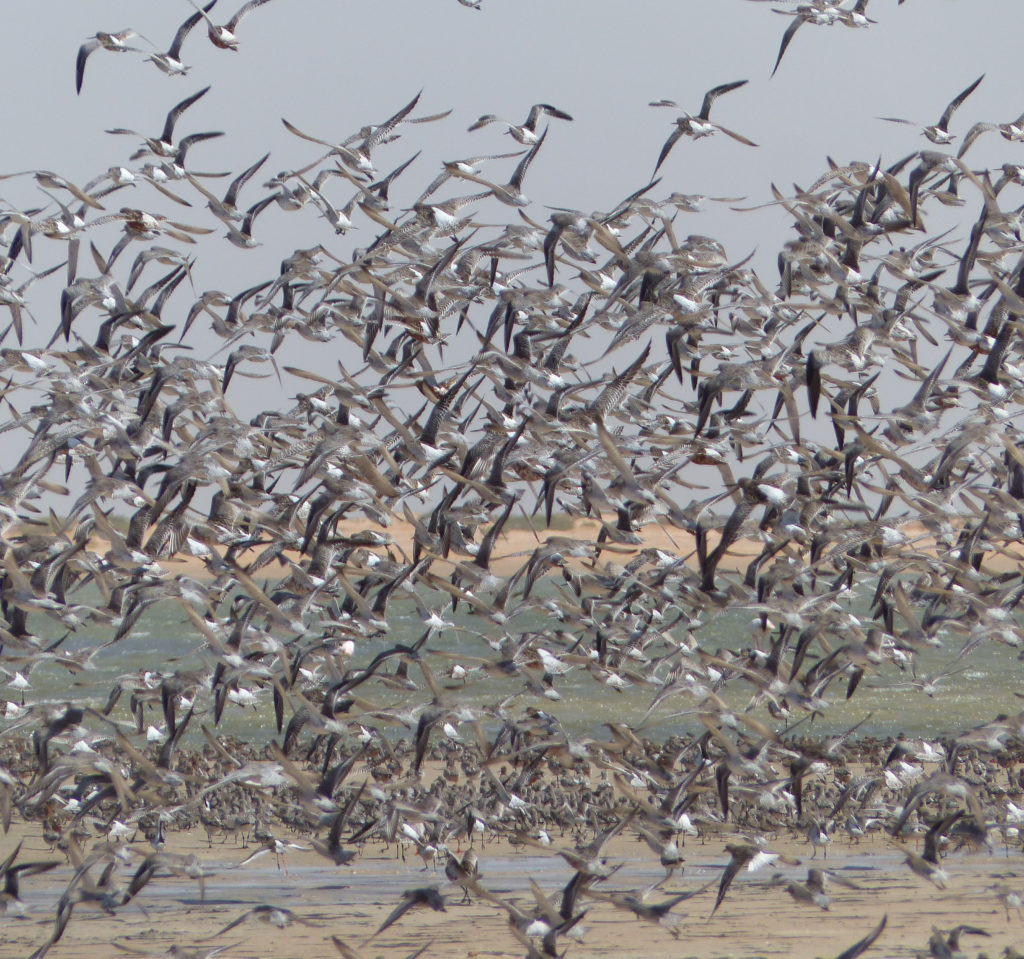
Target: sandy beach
{"x":757,"y":917}
{"x":516,"y":545}
{"x":516,"y":555}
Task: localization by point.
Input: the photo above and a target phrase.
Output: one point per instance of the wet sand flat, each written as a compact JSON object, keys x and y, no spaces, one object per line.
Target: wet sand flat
{"x":757,"y":917}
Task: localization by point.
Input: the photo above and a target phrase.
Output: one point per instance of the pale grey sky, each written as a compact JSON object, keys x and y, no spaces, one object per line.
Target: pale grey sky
{"x":331,"y":67}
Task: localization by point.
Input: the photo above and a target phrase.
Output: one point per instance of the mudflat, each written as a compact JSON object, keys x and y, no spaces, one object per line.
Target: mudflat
{"x":757,"y":916}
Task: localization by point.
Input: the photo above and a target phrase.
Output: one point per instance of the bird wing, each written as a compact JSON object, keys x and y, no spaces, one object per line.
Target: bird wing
{"x":186,"y":27}
{"x":232,"y":24}
{"x":551,"y":111}
{"x":385,"y":129}
{"x":864,"y":944}
{"x":960,"y":97}
{"x":177,"y":110}
{"x":975,"y":131}
{"x":714,"y":93}
{"x":83,"y":54}
{"x":669,"y":143}
{"x":239,"y":181}
{"x":735,"y":135}
{"x":524,"y":163}
{"x":787,"y":38}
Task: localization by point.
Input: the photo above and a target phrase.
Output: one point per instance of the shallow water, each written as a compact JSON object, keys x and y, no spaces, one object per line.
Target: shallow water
{"x":980,"y":685}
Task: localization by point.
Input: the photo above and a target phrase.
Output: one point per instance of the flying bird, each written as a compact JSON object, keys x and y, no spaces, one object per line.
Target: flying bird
{"x":114,"y":42}
{"x":525,"y":133}
{"x":700,"y":125}
{"x":223,"y":36}
{"x":171,"y":62}
{"x":822,"y":13}
{"x":424,"y":896}
{"x":939,"y":132}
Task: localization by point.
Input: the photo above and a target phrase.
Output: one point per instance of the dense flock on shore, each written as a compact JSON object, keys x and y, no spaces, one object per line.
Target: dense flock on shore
{"x":834,"y":448}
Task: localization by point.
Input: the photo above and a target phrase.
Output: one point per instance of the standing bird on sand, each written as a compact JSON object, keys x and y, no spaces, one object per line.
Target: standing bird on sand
{"x":817,"y":836}
{"x":463,"y":872}
{"x":699,"y":126}
{"x":223,"y":36}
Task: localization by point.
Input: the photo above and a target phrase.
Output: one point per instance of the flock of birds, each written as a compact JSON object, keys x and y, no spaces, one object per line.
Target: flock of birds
{"x":840,"y":447}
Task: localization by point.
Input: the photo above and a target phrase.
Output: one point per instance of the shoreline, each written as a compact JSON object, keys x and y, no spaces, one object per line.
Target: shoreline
{"x":515,"y":546}
{"x":243,"y":819}
{"x":757,"y":917}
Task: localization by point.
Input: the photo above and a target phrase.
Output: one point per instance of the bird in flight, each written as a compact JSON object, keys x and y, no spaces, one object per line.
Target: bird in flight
{"x":700,"y":125}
